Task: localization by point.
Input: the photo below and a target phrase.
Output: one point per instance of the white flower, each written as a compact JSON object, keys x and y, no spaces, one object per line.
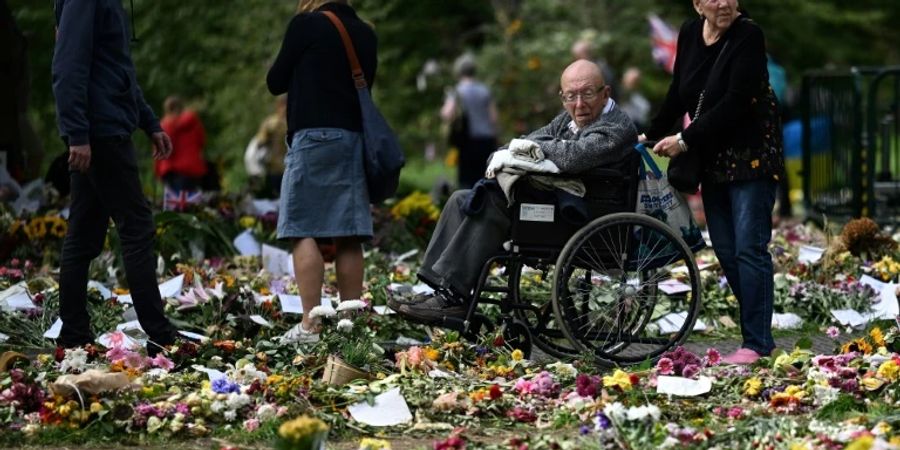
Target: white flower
{"x":236,"y":401}
{"x":351,"y":305}
{"x":217,"y":406}
{"x":218,"y":292}
{"x":75,"y":360}
{"x":345,"y":325}
{"x":643,"y":412}
{"x":322,"y":311}
{"x":153,"y":424}
{"x":615,"y":411}
{"x":230,"y":415}
{"x":563,"y":369}
{"x":266,"y":412}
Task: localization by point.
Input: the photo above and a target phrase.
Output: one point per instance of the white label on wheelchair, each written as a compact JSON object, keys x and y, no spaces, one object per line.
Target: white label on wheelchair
{"x":534,"y":212}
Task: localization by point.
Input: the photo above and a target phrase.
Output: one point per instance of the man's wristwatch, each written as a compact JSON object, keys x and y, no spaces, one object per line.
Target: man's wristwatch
{"x":681,"y":144}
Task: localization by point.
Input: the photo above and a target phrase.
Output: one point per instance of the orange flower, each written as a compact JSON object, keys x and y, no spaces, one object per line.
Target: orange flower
{"x":754,"y":164}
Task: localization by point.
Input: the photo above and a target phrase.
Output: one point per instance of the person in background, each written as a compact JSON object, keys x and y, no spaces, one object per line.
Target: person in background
{"x":271,"y":134}
{"x":633,"y":102}
{"x":471,"y":101}
{"x":323,"y":191}
{"x":99,"y":104}
{"x":586,"y":49}
{"x":185,"y":168}
{"x":739,"y":168}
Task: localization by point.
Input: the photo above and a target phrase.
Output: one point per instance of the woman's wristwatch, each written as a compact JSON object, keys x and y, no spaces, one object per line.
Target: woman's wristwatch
{"x":681,"y":144}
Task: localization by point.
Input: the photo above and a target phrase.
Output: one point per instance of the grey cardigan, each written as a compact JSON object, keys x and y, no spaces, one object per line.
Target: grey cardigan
{"x":607,"y":142}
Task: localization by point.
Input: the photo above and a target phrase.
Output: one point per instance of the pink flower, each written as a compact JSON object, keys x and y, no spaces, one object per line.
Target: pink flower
{"x":690,"y":371}
{"x":162,"y":362}
{"x":735,"y":412}
{"x":833,"y":332}
{"x":524,"y":387}
{"x":134,"y":360}
{"x":713,"y":358}
{"x":665,"y":367}
{"x":116,"y":353}
{"x":251,"y":424}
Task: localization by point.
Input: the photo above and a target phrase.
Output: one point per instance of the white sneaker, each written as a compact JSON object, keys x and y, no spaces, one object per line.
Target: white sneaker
{"x":298,"y":335}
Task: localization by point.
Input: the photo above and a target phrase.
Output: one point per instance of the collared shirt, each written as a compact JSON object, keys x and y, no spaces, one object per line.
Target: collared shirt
{"x":609,"y":106}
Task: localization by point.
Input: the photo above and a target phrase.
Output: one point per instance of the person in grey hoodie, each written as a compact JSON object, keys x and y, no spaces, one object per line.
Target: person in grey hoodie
{"x":99,"y":105}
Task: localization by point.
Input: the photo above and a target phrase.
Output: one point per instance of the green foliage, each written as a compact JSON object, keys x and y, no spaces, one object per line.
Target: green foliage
{"x":216,"y":55}
{"x":840,"y":408}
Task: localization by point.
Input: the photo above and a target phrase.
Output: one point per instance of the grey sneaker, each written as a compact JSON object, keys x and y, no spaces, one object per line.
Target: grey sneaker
{"x":431,"y":310}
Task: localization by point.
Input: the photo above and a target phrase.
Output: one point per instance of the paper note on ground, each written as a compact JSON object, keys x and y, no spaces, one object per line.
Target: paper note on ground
{"x":213,"y":374}
{"x":247,"y":245}
{"x":683,"y":387}
{"x":104,"y":291}
{"x":169,"y":288}
{"x":809,"y":254}
{"x":277,"y":261}
{"x":672,"y":322}
{"x":194,"y":336}
{"x":256,"y":318}
{"x":129,"y":326}
{"x":16,"y":298}
{"x":848,"y":317}
{"x":117,"y":339}
{"x":887,"y":307}
{"x":293,"y":304}
{"x":389,"y":409}
{"x":787,"y":321}
{"x":673,"y":286}
{"x":54,"y":330}
{"x":265,"y":206}
{"x":383,"y":310}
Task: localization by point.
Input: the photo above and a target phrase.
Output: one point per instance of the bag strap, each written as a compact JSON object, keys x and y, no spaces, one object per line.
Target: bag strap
{"x":648,"y":160}
{"x":355,"y":69}
{"x":708,"y":77}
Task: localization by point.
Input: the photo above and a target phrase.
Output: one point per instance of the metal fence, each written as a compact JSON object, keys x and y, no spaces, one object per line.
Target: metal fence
{"x":851,"y":154}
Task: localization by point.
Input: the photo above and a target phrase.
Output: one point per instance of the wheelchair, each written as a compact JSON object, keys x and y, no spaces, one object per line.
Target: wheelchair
{"x":606,"y":288}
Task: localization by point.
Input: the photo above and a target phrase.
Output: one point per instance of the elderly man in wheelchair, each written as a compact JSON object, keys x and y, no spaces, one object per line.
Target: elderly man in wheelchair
{"x":532,"y":215}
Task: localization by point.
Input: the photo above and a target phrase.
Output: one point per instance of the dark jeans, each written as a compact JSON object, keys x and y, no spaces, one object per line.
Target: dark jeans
{"x":739,"y":218}
{"x":461,"y":244}
{"x":110,"y":189}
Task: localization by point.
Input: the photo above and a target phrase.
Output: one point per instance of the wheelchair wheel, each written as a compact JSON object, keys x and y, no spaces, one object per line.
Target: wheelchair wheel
{"x":532,"y":285}
{"x":606,"y":293}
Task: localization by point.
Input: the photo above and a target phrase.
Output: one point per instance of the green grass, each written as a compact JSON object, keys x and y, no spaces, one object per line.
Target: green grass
{"x":421,"y":175}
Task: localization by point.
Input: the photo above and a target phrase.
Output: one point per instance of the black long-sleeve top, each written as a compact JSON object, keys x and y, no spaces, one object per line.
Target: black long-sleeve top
{"x":94,"y":81}
{"x":312,"y":68}
{"x":730,"y":130}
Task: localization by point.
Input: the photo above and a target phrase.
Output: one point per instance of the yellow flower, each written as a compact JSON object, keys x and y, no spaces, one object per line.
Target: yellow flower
{"x":754,"y":164}
{"x":374,"y":444}
{"x":872,"y":384}
{"x":432,"y":354}
{"x":96,"y":407}
{"x":877,"y":336}
{"x":301,"y":428}
{"x":618,"y":379}
{"x":517,"y":355}
{"x":534,"y":63}
{"x":795,"y":391}
{"x":452,"y":158}
{"x":881,"y":428}
{"x":514,"y":27}
{"x":863,"y":443}
{"x":247,"y":221}
{"x":889,"y":370}
{"x":752,"y":387}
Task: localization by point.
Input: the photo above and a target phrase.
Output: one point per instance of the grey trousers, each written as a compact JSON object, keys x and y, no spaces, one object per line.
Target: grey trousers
{"x":461,"y":244}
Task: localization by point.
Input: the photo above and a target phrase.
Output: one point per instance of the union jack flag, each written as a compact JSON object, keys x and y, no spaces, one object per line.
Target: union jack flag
{"x":175,"y":200}
{"x":665,"y":42}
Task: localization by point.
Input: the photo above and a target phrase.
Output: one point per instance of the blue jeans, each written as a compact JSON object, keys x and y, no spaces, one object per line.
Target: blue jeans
{"x":739,"y":219}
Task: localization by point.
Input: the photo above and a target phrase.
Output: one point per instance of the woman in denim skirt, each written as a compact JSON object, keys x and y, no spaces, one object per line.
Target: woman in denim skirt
{"x":323,"y":192}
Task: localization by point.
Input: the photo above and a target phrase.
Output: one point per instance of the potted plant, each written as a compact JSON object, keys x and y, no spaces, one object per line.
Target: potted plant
{"x":349,"y":344}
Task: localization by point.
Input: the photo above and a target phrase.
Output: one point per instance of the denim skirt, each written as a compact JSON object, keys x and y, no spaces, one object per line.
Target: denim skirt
{"x":323,"y":192}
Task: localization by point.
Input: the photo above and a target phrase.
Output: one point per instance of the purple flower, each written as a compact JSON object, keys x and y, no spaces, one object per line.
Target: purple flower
{"x":602,"y":422}
{"x":690,"y":371}
{"x":833,"y":332}
{"x":588,"y":385}
{"x":223,"y":386}
{"x":584,"y":429}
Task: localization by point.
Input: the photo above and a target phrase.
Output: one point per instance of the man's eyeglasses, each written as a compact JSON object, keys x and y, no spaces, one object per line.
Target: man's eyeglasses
{"x":587,"y":95}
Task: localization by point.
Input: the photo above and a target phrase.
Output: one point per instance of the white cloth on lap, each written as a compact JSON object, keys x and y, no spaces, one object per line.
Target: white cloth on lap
{"x":522,"y":157}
